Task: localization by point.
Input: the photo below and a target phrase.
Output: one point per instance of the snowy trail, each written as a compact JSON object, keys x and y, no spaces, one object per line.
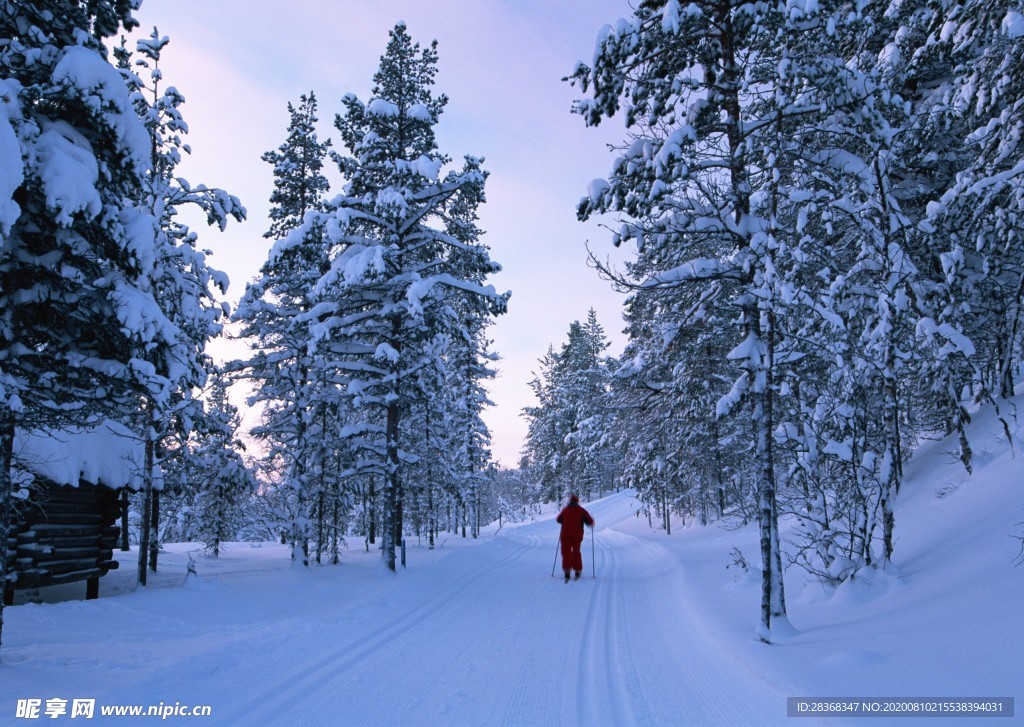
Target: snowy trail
{"x":477,"y":632}
{"x":308,"y":688}
{"x":474,"y":632}
{"x":493,"y":639}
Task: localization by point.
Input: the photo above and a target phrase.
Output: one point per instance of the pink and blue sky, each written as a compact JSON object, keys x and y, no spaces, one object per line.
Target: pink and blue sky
{"x":239,"y":62}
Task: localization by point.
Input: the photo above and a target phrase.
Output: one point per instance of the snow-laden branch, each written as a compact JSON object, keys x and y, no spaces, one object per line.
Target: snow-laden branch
{"x":698,"y":269}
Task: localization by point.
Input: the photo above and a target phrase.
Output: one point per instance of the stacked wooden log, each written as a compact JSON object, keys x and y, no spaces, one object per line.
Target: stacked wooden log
{"x":63,"y":534}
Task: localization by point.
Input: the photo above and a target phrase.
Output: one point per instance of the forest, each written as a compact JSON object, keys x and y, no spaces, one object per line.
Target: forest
{"x":824,"y":202}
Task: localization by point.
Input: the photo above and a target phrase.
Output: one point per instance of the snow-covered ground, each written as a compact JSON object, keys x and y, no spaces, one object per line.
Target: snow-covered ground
{"x":479,"y":633}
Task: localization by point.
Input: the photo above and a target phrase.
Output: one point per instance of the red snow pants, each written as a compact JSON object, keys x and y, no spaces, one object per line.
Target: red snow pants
{"x":572,"y":519}
{"x":572,"y":558}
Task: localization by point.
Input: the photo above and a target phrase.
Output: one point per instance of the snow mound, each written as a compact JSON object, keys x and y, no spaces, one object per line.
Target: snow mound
{"x":107,"y":454}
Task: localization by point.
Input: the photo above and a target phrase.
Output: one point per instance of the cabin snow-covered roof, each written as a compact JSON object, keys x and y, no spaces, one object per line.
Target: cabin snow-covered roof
{"x":106,"y":454}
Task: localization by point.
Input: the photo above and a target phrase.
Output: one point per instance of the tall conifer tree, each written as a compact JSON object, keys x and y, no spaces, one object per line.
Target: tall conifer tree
{"x":274,"y":311}
{"x":403,"y":239}
{"x":77,"y":295}
{"x":735,"y":108}
{"x":185,"y":285}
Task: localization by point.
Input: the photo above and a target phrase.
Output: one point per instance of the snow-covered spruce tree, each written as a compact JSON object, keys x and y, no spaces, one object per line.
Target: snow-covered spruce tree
{"x":567,"y":447}
{"x":433,"y":476}
{"x":433,"y":440}
{"x":221,"y":481}
{"x":514,"y":497}
{"x":663,"y":398}
{"x":77,"y":299}
{"x":544,"y":448}
{"x":284,"y":370}
{"x":400,"y":245}
{"x":968,"y":61}
{"x":468,"y":364}
{"x":720,"y":96}
{"x":583,"y":378}
{"x":184,"y":283}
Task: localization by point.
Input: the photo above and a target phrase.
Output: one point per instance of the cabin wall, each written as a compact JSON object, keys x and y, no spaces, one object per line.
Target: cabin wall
{"x":63,"y":534}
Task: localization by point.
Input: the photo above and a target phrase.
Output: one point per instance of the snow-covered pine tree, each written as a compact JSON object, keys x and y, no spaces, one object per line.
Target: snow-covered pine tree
{"x":284,"y":370}
{"x":184,"y":283}
{"x":220,"y":478}
{"x":965,"y":63}
{"x":468,"y":364}
{"x":299,"y":181}
{"x":544,"y":448}
{"x":567,"y":447}
{"x":401,"y":241}
{"x":77,"y":299}
{"x":718,"y":182}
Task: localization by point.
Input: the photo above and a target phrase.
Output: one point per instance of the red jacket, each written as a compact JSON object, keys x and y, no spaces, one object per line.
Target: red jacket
{"x":572,"y":519}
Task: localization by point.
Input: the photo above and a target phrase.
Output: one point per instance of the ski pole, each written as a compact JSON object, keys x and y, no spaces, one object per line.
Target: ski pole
{"x":593,"y":559}
{"x":555,"y":562}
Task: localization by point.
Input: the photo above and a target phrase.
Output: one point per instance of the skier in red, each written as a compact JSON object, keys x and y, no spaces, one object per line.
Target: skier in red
{"x":572,"y":519}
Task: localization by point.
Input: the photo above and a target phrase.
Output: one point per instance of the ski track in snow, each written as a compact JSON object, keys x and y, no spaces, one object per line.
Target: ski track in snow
{"x":478,"y":633}
{"x":606,"y":650}
{"x":328,"y":671}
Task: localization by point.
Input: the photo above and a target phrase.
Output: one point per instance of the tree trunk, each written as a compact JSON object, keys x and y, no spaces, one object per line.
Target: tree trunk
{"x":1006,"y":344}
{"x":719,"y":479}
{"x":704,"y":497}
{"x":154,"y":541}
{"x":147,"y":509}
{"x":399,"y":506}
{"x":320,"y":515}
{"x":773,"y":597}
{"x":299,"y":530}
{"x":335,"y":524}
{"x":220,"y":527}
{"x":299,"y":535}
{"x":474,"y":514}
{"x":371,"y":510}
{"x":966,"y":455}
{"x":431,"y":515}
{"x":6,"y":497}
{"x":125,"y":545}
{"x":391,"y":493}
{"x":666,"y":511}
{"x":889,"y":481}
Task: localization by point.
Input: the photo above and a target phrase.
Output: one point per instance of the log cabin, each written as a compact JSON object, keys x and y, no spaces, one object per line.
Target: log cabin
{"x":64,"y":523}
